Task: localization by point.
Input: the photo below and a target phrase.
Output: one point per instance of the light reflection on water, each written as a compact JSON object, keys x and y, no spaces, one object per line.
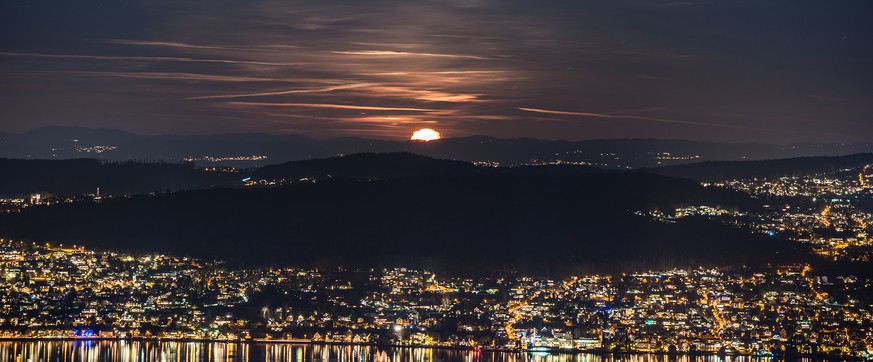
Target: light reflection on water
{"x":129,"y":351}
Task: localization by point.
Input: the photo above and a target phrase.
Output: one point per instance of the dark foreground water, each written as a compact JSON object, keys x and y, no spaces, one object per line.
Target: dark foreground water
{"x":47,"y":351}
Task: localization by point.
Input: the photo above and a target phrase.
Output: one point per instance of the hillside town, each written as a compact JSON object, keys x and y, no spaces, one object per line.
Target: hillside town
{"x":54,"y":291}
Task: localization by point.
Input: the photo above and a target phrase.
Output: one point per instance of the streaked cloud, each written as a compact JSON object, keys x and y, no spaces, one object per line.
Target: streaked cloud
{"x":285,"y":92}
{"x":392,"y":53}
{"x":508,"y":69}
{"x":332,"y":106}
{"x":143,"y":59}
{"x":174,"y":76}
{"x":170,"y":44}
{"x":633,"y":117}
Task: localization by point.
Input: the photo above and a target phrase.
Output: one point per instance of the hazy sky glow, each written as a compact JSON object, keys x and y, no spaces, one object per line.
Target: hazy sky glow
{"x":770,"y":71}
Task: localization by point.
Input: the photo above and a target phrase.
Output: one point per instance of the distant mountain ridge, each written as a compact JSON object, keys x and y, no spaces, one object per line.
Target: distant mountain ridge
{"x":79,"y":176}
{"x":56,"y":142}
{"x":737,"y":170}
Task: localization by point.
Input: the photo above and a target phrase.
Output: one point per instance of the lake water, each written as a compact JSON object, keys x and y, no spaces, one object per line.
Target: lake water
{"x":48,"y":351}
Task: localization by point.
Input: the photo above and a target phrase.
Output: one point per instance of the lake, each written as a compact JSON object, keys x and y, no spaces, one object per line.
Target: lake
{"x":122,"y":350}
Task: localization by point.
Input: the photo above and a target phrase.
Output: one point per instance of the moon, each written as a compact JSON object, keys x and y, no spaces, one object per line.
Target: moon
{"x":425,"y":135}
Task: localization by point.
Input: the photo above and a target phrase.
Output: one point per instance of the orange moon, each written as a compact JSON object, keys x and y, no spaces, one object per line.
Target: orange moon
{"x":425,"y":134}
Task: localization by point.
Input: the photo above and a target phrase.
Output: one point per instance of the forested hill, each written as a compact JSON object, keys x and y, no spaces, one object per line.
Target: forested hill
{"x":366,"y":166}
{"x":467,"y":221}
{"x":79,"y":176}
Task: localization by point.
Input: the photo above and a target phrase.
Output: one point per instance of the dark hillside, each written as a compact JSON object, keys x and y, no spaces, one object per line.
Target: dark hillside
{"x":365,"y":166}
{"x":79,"y":176}
{"x":472,"y":221}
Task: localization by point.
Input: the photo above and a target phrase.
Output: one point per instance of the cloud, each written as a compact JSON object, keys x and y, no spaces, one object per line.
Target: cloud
{"x":170,"y":44}
{"x":396,"y":54}
{"x":481,"y":66}
{"x":143,"y":58}
{"x":332,"y":106}
{"x":285,"y":92}
{"x":169,"y":75}
{"x":636,"y":117}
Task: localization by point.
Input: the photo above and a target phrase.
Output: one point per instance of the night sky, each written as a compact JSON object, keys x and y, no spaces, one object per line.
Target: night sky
{"x":766,"y":71}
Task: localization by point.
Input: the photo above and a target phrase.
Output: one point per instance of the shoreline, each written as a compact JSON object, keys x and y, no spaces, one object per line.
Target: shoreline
{"x":555,"y":351}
